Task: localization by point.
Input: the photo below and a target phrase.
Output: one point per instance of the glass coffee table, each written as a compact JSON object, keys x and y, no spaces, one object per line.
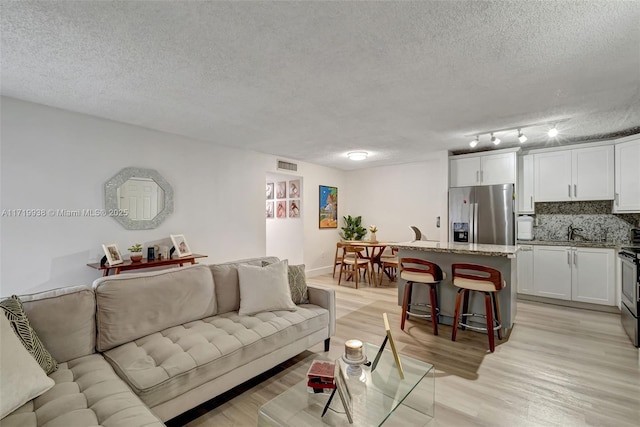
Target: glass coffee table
{"x":378,"y":397}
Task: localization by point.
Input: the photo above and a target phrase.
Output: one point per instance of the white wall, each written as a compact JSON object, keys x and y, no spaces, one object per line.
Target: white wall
{"x":285,"y":236}
{"x":55,"y":159}
{"x":395,"y":197}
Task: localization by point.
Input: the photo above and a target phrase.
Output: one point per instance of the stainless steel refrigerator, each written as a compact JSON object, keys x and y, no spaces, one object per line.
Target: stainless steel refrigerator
{"x":482,"y":214}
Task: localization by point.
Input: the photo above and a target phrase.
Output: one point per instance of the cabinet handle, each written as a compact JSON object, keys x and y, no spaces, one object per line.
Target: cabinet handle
{"x":477,"y":176}
{"x":531,"y":202}
{"x":569,"y":189}
{"x":569,"y":257}
{"x":575,"y":190}
{"x":616,"y":198}
{"x":481,"y":176}
{"x":575,"y":258}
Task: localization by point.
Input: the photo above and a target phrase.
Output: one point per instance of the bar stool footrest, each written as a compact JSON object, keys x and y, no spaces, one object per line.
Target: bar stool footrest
{"x":422,"y":315}
{"x":478,"y":328}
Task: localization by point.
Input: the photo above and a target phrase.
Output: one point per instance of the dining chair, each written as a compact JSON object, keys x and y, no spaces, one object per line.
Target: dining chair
{"x":389,"y":265}
{"x":352,"y":263}
{"x":417,"y":234}
{"x":337,"y":260}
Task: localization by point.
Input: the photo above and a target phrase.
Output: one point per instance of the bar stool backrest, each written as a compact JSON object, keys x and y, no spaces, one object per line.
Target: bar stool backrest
{"x":417,"y":265}
{"x":477,"y":272}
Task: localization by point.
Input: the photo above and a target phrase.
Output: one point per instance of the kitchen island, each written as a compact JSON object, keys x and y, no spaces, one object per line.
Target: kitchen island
{"x":500,"y":257}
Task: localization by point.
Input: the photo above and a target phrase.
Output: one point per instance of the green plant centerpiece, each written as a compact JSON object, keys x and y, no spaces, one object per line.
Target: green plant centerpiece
{"x":353,"y":229}
{"x":136,"y":252}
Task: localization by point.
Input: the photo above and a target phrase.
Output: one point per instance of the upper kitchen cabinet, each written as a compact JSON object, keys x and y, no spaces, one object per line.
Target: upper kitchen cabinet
{"x":627,"y":181}
{"x":574,"y":175}
{"x":469,"y":170}
{"x":524,"y":194}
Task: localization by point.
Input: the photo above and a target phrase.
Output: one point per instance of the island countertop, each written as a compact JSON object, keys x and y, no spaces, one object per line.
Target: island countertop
{"x":459,"y":248}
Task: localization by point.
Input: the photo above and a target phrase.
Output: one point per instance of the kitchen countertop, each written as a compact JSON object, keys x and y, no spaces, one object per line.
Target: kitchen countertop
{"x":573,"y":243}
{"x":459,"y":248}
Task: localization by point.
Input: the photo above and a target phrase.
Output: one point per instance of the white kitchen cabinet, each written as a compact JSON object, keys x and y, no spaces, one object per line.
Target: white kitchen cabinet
{"x":525,"y":184}
{"x":593,"y":275}
{"x":465,"y":172}
{"x":627,"y":177}
{"x":552,"y":271}
{"x":574,"y":175}
{"x":524,"y":260}
{"x":570,"y":273}
{"x":489,"y":169}
{"x":592,"y":173}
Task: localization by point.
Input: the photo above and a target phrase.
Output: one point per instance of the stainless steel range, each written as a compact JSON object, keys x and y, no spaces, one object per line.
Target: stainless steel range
{"x":630,"y":257}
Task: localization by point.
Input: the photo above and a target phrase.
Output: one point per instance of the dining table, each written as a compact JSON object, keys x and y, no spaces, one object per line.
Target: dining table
{"x":373,"y":252}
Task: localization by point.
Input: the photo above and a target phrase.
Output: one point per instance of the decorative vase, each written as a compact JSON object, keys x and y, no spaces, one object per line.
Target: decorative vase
{"x":136,"y":257}
{"x":372,"y":237}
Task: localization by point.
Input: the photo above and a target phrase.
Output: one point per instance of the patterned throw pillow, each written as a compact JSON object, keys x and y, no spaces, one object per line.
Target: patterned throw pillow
{"x":297,"y":283}
{"x":14,"y":311}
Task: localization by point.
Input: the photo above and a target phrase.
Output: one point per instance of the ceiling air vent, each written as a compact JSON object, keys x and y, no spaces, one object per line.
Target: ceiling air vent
{"x":287,"y":166}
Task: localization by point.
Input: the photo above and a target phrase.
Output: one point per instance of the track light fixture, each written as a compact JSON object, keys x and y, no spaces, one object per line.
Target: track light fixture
{"x":552,"y":133}
{"x":521,"y":137}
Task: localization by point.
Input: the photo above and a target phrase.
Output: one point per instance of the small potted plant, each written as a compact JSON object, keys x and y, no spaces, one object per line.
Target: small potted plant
{"x":353,"y":229}
{"x":136,"y":252}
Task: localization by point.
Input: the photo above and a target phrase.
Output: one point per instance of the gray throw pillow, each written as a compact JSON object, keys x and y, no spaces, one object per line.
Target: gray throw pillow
{"x":14,"y":311}
{"x":297,"y":283}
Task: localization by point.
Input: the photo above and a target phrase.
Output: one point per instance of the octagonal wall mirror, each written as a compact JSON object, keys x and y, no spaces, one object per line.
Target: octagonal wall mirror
{"x":143,"y":194}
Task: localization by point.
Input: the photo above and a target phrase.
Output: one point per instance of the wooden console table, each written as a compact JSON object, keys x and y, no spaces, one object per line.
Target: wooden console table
{"x":145,"y":263}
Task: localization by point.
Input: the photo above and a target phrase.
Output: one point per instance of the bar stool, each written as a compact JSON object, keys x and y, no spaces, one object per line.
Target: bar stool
{"x":415,"y":270}
{"x":472,"y":277}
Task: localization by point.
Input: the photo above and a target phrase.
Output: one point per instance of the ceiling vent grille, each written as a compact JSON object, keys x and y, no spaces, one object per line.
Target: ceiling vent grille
{"x":287,"y":166}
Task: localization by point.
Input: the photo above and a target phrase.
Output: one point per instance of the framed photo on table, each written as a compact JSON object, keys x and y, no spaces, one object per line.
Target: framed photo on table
{"x":343,"y":392}
{"x":328,"y":207}
{"x":112,"y":253}
{"x":181,"y":245}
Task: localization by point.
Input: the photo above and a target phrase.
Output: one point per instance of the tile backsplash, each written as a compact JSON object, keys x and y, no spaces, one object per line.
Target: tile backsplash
{"x":552,"y":220}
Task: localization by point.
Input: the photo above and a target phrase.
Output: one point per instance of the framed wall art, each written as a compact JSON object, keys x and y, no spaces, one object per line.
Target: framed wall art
{"x":270,"y":190}
{"x":294,"y":189}
{"x":328,"y":212}
{"x":294,"y":208}
{"x":270,"y":209}
{"x":281,"y":190}
{"x":181,"y":245}
{"x":281,"y":209}
{"x":112,"y":253}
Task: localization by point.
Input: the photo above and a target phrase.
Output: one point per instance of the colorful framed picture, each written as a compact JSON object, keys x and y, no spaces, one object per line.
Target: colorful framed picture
{"x":270,"y":209}
{"x":294,"y":208}
{"x":281,"y":209}
{"x":112,"y":253}
{"x":270,"y":190}
{"x":281,"y":190}
{"x":328,"y":204}
{"x":181,"y":245}
{"x":294,"y":189}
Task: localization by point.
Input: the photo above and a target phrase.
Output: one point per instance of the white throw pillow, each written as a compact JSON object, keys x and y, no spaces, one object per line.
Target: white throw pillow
{"x":264,"y":288}
{"x":21,"y":377}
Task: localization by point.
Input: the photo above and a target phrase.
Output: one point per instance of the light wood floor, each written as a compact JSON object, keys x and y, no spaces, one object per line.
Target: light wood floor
{"x":558,"y":367}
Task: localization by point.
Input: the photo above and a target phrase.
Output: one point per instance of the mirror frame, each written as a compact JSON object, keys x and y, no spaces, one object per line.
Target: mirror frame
{"x":111,"y":197}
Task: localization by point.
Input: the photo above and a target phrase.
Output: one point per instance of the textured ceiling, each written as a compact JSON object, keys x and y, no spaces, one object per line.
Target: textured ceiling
{"x":314,"y":80}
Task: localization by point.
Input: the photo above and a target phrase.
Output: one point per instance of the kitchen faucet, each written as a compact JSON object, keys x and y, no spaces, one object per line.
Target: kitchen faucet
{"x":572,"y":231}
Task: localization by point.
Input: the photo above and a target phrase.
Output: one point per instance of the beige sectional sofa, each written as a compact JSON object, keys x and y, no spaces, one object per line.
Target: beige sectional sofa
{"x":139,"y":349}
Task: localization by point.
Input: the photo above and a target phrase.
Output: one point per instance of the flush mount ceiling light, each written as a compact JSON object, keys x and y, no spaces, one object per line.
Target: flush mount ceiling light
{"x":495,"y":140}
{"x":475,"y":142}
{"x":553,"y":132}
{"x":357,"y":155}
{"x":521,"y":137}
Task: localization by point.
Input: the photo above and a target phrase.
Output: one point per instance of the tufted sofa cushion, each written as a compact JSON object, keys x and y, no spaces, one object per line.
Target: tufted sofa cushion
{"x":87,"y":392}
{"x":131,"y":306}
{"x":164,"y":365}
